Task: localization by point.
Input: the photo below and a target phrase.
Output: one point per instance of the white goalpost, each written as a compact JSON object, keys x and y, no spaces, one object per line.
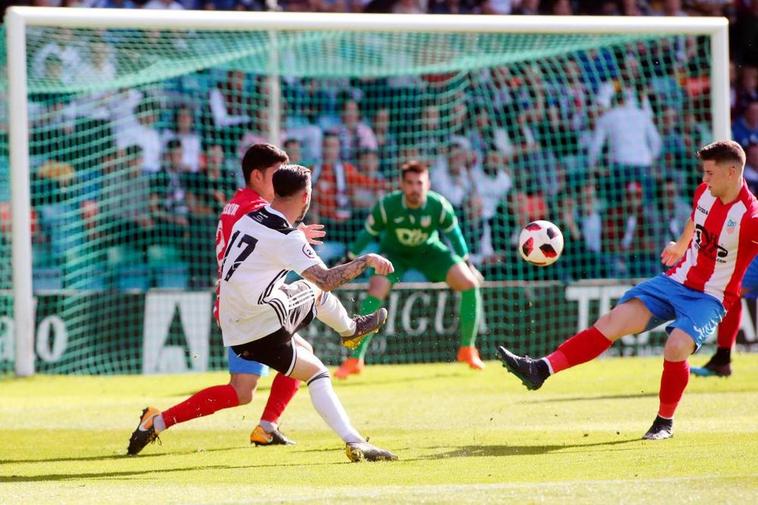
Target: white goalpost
{"x":19,"y":19}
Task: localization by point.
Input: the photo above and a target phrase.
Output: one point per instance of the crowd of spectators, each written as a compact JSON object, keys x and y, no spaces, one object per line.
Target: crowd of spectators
{"x":599,"y":142}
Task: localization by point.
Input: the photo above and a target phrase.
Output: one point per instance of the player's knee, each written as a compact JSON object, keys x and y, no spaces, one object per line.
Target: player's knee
{"x":301,"y":342}
{"x":244,"y":385}
{"x":678,"y":347}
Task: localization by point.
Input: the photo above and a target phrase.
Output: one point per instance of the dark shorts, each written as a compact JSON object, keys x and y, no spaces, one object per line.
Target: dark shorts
{"x":276,"y":350}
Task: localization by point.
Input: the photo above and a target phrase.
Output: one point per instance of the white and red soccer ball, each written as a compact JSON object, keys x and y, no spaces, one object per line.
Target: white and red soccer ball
{"x":540,"y":243}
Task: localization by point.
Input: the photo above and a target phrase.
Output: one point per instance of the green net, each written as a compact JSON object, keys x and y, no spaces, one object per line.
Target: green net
{"x":135,"y":141}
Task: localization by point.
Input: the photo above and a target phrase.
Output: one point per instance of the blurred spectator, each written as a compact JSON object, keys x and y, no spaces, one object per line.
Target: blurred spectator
{"x":493,"y":181}
{"x":354,"y":134}
{"x":429,"y":136}
{"x":751,"y":166}
{"x":185,"y":132}
{"x":334,"y":183}
{"x":207,"y":192}
{"x":485,"y":135}
{"x":745,"y":35}
{"x":100,"y":67}
{"x":114,"y":4}
{"x":124,"y":201}
{"x":408,"y":7}
{"x":168,"y":199}
{"x":568,"y":115}
{"x":629,"y":236}
{"x":386,"y":142}
{"x":450,"y":175}
{"x":145,"y":135}
{"x":634,"y":145}
{"x":674,"y":145}
{"x":58,"y":51}
{"x":292,"y":148}
{"x":746,"y":88}
{"x":672,"y":213}
{"x":500,"y":7}
{"x":163,"y":4}
{"x":670,"y":8}
{"x":209,"y":189}
{"x":745,"y":128}
{"x":365,"y":197}
{"x":583,"y":230}
{"x":230,"y":106}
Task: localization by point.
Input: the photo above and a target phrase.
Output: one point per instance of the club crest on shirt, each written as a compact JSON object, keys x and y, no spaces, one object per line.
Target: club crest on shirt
{"x":731,"y":225}
{"x":426,"y":221}
{"x":309,"y":252}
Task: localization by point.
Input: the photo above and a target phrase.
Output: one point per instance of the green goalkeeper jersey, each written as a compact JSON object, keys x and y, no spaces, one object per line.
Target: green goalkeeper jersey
{"x":407,"y":232}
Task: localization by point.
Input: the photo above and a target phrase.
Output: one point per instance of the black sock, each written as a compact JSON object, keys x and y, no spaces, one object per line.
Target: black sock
{"x":723,"y":356}
{"x":662,"y":421}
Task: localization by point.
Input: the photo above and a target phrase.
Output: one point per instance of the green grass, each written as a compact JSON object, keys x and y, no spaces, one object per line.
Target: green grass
{"x":462,"y":437}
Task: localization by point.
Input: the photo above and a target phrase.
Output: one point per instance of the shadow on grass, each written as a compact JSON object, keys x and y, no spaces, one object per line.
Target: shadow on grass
{"x":593,"y":398}
{"x":475,"y":451}
{"x":110,"y":475}
{"x":116,"y":456}
{"x":351,"y":383}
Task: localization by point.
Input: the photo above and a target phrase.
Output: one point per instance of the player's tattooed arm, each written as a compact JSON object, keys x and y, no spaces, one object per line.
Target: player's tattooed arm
{"x":332,"y":278}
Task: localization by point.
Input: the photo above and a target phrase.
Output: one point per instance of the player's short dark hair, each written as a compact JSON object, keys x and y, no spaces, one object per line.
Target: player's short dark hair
{"x":261,"y":157}
{"x":415,"y":166}
{"x":723,"y":151}
{"x":290,"y":180}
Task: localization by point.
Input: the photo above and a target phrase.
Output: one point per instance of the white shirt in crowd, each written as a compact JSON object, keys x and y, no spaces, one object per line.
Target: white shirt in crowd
{"x":633,"y":138}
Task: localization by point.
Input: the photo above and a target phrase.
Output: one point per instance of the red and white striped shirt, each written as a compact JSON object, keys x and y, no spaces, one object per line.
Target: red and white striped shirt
{"x":243,"y":202}
{"x":724,"y":244}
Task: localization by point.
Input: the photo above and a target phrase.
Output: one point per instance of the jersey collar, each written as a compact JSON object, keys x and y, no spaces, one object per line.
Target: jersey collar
{"x":275,"y":212}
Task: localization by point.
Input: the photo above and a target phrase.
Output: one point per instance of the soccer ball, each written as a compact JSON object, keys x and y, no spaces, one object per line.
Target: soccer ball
{"x":540,"y":243}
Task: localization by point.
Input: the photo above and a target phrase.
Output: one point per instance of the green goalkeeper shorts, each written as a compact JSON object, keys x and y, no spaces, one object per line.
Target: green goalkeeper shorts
{"x":433,"y":260}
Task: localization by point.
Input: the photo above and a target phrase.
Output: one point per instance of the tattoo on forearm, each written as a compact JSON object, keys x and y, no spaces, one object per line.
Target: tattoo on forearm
{"x":332,"y":278}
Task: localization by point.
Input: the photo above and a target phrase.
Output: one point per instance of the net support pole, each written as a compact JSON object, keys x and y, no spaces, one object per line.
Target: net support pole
{"x":274,"y":93}
{"x":720,"y":82}
{"x":23,"y":306}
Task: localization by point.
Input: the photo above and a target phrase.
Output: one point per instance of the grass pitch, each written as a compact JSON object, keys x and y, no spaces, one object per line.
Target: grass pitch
{"x":462,"y":437}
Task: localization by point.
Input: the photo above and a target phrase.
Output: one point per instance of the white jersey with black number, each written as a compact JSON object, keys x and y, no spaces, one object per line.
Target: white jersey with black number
{"x":262,"y":250}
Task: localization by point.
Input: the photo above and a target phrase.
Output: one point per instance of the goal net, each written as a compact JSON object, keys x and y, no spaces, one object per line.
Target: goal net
{"x":135,"y":136}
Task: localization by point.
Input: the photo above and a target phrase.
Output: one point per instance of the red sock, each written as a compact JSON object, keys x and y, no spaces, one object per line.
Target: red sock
{"x":580,"y":348}
{"x":730,"y":326}
{"x":283,"y":389}
{"x":202,"y":403}
{"x":674,"y":379}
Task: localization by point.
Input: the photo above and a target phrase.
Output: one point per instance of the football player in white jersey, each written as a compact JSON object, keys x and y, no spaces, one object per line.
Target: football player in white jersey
{"x":260,"y":315}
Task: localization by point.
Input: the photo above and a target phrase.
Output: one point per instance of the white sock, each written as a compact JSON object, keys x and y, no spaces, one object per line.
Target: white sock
{"x":333,"y":314}
{"x":159,"y":424}
{"x":267,"y":426}
{"x":330,"y":409}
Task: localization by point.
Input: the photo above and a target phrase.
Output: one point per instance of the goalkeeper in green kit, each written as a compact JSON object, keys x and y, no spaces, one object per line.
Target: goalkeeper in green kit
{"x":407,"y":224}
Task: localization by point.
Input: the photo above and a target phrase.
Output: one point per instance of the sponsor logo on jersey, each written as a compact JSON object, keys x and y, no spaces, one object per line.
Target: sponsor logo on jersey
{"x":411,"y":238}
{"x":426,"y":221}
{"x":309,"y":252}
{"x":700,"y":209}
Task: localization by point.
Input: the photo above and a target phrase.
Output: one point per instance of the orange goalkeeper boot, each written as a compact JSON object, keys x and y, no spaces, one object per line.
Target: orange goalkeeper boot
{"x":351,"y":366}
{"x":471,"y":356}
